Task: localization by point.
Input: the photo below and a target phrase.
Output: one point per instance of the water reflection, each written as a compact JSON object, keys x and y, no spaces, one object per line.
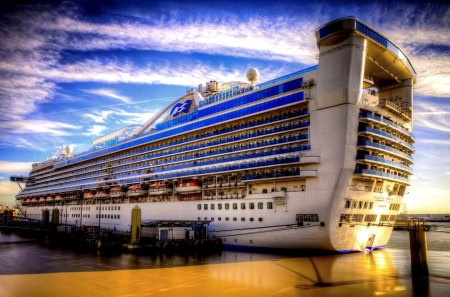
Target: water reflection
{"x":379,"y":273}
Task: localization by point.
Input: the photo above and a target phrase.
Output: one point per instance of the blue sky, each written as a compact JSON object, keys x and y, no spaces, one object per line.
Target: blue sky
{"x":72,"y":70}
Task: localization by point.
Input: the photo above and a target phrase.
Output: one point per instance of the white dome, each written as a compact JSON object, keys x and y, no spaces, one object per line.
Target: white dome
{"x":253,"y":75}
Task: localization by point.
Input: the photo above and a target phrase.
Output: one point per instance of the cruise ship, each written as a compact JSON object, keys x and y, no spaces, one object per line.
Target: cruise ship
{"x":316,"y":159}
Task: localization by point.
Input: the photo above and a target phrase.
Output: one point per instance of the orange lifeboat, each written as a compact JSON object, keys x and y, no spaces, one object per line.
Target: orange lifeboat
{"x":158,"y":188}
{"x":116,"y":192}
{"x":101,"y":194}
{"x":189,"y":187}
{"x":135,"y":190}
{"x":88,"y":195}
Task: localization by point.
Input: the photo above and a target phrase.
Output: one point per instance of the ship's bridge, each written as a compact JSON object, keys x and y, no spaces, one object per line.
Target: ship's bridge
{"x":385,"y":60}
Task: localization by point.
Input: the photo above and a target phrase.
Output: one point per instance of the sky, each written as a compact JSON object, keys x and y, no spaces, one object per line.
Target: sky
{"x":73,"y":70}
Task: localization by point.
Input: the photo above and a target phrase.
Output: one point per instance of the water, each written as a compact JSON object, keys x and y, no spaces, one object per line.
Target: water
{"x":438,"y":239}
{"x":31,"y":269}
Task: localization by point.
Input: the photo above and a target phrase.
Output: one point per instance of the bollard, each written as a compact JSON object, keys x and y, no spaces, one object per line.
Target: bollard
{"x":418,"y":248}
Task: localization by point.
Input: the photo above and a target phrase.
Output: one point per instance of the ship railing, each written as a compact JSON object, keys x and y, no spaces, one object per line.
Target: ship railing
{"x":387,"y":122}
{"x":219,"y":152}
{"x":178,"y":174}
{"x":381,"y":160}
{"x":387,"y":135}
{"x":278,"y":118}
{"x":248,"y":136}
{"x":383,"y":174}
{"x":386,"y":148}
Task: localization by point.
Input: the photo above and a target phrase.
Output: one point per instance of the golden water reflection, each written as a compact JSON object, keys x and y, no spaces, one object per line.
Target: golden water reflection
{"x":380,"y":273}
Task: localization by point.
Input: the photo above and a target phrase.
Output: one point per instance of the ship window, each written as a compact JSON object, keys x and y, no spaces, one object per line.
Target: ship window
{"x":212,"y":206}
{"x":234,"y":219}
{"x":199,"y":206}
{"x":227,"y":219}
{"x":118,"y":216}
{"x":354,"y":204}
{"x":219,"y":206}
{"x":370,"y":205}
{"x":199,"y":218}
{"x":242,"y":205}
{"x":269,"y":205}
{"x":219,"y":219}
{"x":365,"y":205}
{"x":205,"y":206}
{"x":235,"y":206}
{"x":360,"y":204}
{"x":347,"y":204}
{"x":243,"y":219}
{"x":251,"y":205}
{"x":227,"y":206}
{"x":260,"y":219}
{"x":251,"y":219}
{"x":370,"y":218}
{"x":212,"y":219}
{"x":260,"y":205}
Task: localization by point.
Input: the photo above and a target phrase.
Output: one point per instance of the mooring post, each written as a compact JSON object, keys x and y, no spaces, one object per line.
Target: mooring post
{"x":135,"y":225}
{"x":418,"y":246}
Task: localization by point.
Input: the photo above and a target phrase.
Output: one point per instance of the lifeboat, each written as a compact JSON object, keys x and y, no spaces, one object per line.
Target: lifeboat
{"x":116,"y":192}
{"x":158,"y":188}
{"x":42,"y":199}
{"x":58,"y":198}
{"x":88,"y":195}
{"x":101,"y":194}
{"x":135,"y":190}
{"x":189,"y":187}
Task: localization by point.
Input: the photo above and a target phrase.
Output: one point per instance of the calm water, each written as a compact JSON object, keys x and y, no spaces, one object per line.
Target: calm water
{"x":20,"y":255}
{"x":30,"y":269}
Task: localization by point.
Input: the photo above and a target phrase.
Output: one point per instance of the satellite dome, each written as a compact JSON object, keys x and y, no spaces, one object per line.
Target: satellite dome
{"x":252,"y":75}
{"x":69,"y":150}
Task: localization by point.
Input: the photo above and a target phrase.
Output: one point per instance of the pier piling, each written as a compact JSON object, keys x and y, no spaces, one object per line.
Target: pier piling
{"x":418,"y":246}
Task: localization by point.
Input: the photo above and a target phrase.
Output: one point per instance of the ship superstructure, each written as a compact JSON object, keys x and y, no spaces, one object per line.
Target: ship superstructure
{"x":319,"y":158}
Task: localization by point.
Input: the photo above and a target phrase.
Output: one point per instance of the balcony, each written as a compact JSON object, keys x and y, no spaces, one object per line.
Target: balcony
{"x":387,"y":136}
{"x":382,"y":161}
{"x":382,"y":175}
{"x":385,"y":148}
{"x":403,"y":112}
{"x":383,"y":121}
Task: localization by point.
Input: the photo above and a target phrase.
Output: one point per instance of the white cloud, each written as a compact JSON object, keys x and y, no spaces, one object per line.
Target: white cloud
{"x":415,"y":202}
{"x":109,"y":93}
{"x":37,"y":126}
{"x":432,"y":116}
{"x":95,"y":130}
{"x":15,"y":167}
{"x":9,"y":188}
{"x":99,"y":117}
